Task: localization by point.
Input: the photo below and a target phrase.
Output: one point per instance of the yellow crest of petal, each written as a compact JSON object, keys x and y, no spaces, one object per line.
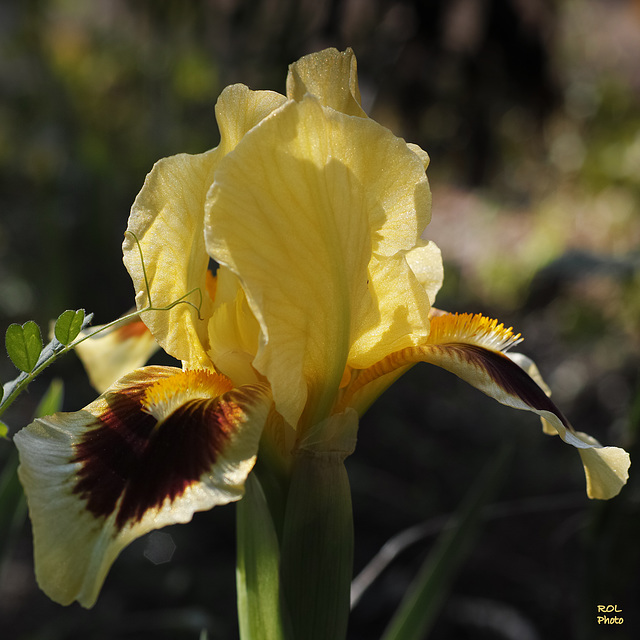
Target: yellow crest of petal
{"x":239,"y":109}
{"x":167,"y":394}
{"x":329,"y":75}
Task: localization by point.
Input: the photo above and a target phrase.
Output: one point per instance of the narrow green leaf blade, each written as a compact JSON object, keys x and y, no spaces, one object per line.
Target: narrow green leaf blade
{"x":52,"y":399}
{"x":424,"y":599}
{"x":13,"y":506}
{"x":258,"y":566}
{"x":24,"y":345}
{"x":68,"y":325}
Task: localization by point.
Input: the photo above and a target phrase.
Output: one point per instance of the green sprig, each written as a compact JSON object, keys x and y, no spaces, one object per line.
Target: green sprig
{"x":26,"y":350}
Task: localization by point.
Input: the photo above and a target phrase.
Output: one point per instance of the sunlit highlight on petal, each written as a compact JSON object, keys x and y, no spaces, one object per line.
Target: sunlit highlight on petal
{"x":329,"y":75}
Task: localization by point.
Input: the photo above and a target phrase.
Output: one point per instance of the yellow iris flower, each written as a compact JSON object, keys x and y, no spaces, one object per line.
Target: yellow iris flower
{"x":323,"y":297}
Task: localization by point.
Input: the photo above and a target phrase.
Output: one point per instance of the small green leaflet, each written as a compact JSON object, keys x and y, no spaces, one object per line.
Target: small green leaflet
{"x":24,"y":345}
{"x":69,"y":325}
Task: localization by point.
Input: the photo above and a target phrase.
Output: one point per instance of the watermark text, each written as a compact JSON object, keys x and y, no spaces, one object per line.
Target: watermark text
{"x":608,"y":614}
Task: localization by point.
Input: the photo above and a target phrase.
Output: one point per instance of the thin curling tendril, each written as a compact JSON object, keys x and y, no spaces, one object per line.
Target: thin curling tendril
{"x":19,"y":384}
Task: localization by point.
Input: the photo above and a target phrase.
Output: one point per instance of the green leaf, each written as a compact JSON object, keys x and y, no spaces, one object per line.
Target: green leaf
{"x":24,"y":345}
{"x":257,"y":568}
{"x":13,"y":506}
{"x":424,"y":599}
{"x":4,"y":430}
{"x":68,"y":325}
{"x":52,"y":399}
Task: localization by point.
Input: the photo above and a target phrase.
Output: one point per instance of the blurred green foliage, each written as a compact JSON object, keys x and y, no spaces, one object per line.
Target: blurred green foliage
{"x":531,"y":115}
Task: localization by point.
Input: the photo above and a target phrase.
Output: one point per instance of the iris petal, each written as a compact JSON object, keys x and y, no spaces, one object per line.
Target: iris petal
{"x":167,"y":218}
{"x":112,"y":353}
{"x":233,"y":330}
{"x":472,"y":347}
{"x":153,"y":450}
{"x":297,"y":214}
{"x":331,"y":76}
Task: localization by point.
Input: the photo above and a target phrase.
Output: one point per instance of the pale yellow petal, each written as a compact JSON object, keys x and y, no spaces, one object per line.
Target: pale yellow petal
{"x":149,"y":453}
{"x":296,"y":212}
{"x":472,"y":348}
{"x":421,"y":153}
{"x":239,"y":109}
{"x":329,"y":75}
{"x":484,"y":366}
{"x":526,"y":363}
{"x":111,"y":353}
{"x":425,"y":261}
{"x":398,"y":317}
{"x":233,"y":330}
{"x":606,"y":470}
{"x":167,"y":218}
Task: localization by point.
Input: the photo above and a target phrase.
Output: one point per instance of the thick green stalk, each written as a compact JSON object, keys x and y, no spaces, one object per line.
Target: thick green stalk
{"x":317,"y":541}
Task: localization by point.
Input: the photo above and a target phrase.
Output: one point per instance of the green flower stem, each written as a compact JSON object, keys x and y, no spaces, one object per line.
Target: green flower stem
{"x":317,"y":546}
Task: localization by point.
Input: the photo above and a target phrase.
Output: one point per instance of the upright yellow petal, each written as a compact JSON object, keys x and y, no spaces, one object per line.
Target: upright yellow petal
{"x":398,"y":318}
{"x":425,"y":261}
{"x":331,"y":76}
{"x":167,"y":218}
{"x":297,"y":211}
{"x":239,"y":109}
{"x":233,"y":330}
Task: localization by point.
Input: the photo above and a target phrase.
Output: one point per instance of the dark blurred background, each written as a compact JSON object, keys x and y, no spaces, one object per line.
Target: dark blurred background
{"x":530,"y":111}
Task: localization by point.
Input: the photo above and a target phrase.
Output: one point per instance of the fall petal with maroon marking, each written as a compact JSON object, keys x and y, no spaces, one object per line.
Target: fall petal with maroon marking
{"x":474,"y":349}
{"x":158,"y":446}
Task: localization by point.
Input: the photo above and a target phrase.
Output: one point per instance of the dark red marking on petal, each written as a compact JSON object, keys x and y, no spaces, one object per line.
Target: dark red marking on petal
{"x":514,"y":380}
{"x":126,"y":456}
